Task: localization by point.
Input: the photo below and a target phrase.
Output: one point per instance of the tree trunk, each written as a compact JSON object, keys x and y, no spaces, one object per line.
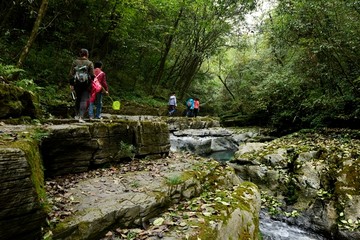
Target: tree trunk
{"x":33,"y":35}
{"x":226,"y":86}
{"x":114,"y":22}
{"x":168,"y":44}
{"x":187,"y":76}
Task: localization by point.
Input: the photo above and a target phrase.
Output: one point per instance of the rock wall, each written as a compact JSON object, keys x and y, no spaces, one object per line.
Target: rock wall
{"x":74,"y":148}
{"x":21,"y":216}
{"x":181,"y":123}
{"x":64,"y":149}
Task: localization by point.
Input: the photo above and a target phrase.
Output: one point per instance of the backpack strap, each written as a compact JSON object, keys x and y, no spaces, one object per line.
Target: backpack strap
{"x":99,"y":74}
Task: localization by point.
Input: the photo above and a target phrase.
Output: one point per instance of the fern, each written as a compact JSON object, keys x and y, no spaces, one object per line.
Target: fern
{"x":7,"y":71}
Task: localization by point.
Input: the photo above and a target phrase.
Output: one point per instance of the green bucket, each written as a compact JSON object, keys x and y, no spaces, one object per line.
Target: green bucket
{"x":116,"y":105}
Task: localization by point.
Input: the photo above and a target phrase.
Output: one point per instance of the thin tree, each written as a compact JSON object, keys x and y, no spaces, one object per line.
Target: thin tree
{"x":34,"y":32}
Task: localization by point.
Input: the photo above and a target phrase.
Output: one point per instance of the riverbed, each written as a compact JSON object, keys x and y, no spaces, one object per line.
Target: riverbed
{"x":272,"y":229}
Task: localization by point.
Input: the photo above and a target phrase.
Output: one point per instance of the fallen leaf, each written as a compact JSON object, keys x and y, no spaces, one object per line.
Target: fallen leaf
{"x":158,"y":221}
{"x":182,"y":224}
{"x":207,"y":214}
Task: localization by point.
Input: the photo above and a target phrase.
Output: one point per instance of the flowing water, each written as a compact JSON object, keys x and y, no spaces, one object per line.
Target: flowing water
{"x":270,"y":228}
{"x":277,"y":230}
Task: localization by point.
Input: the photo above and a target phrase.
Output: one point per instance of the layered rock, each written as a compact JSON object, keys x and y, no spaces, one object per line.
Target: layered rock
{"x":207,"y":140}
{"x":67,"y":148}
{"x":21,"y":216}
{"x":74,"y":148}
{"x":182,"y":123}
{"x":100,"y":203}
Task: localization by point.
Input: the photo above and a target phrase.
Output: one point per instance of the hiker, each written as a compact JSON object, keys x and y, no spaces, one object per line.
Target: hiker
{"x":190,"y":107}
{"x":81,"y":75}
{"x":172,"y":104}
{"x":96,"y":96}
{"x":196,"y":107}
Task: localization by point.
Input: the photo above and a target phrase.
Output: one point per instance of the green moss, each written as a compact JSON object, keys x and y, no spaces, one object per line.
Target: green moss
{"x":224,"y":202}
{"x":28,"y":142}
{"x":64,"y":226}
{"x":174,"y":180}
{"x":246,"y":188}
{"x":352,"y":178}
{"x":206,"y":232}
{"x":31,"y":149}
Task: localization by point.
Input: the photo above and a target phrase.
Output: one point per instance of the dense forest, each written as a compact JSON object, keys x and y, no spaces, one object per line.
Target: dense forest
{"x":297,"y":68}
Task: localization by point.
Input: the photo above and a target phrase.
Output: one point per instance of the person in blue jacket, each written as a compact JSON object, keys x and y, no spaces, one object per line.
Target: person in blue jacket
{"x":190,"y":107}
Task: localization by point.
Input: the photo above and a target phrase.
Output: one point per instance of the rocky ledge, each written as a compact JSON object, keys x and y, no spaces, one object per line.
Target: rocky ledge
{"x":309,"y":179}
{"x":50,"y":191}
{"x":136,"y":201}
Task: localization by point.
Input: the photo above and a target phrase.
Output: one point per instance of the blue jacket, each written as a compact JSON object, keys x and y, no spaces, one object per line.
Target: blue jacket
{"x":190,"y":103}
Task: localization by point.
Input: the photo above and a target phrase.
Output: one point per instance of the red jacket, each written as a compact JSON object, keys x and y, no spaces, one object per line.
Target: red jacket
{"x":196,"y":104}
{"x":102,"y":78}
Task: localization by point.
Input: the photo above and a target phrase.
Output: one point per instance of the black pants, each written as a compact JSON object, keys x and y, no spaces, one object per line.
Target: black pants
{"x":190,"y":112}
{"x":172,"y":109}
{"x":82,"y":98}
{"x":196,"y":112}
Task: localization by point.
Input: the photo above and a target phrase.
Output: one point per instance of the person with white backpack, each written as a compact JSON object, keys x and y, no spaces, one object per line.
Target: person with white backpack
{"x":172,"y":104}
{"x":81,"y":76}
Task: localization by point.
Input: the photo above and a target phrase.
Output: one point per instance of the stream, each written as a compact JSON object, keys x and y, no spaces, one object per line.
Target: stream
{"x":270,"y":228}
{"x":277,"y":230}
{"x":198,"y":141}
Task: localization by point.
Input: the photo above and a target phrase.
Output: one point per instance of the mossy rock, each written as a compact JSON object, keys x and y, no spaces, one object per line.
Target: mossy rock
{"x":17,"y":102}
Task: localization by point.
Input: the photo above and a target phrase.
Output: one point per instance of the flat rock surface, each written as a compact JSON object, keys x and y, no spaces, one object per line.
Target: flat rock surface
{"x":116,"y":190}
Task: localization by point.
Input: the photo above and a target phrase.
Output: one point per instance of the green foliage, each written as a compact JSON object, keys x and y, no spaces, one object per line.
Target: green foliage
{"x":127,"y":149}
{"x":174,"y":180}
{"x":300,"y":69}
{"x":303,"y":71}
{"x":348,"y":224}
{"x":152,"y":47}
{"x":7,"y":71}
{"x":135,"y":184}
{"x":141,"y":97}
{"x":292,"y":194}
{"x":271,"y":203}
{"x":28,"y":84}
{"x":39,"y":134}
{"x":323,"y":195}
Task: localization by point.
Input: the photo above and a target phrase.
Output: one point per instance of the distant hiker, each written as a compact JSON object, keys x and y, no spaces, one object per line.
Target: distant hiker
{"x":81,"y":75}
{"x":172,"y":104}
{"x":190,"y":107}
{"x":196,"y":107}
{"x":96,"y":95}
